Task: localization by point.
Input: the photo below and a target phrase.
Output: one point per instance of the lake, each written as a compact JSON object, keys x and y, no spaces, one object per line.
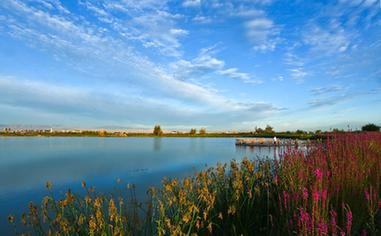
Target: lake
{"x":26,"y":163}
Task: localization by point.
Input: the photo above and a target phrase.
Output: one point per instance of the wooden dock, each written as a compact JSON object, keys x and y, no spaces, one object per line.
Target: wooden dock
{"x":261,"y":142}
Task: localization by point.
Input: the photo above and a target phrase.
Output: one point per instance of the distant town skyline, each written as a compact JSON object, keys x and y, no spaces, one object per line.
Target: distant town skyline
{"x":220,"y":65}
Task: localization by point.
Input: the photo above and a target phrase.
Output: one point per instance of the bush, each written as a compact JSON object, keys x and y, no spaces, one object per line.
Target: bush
{"x":370,"y":127}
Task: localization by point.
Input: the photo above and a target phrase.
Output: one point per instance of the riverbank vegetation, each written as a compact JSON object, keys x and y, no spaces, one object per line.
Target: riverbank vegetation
{"x":330,"y":187}
{"x":267,"y":132}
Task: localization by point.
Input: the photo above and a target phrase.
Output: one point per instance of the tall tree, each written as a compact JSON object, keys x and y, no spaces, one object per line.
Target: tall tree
{"x":202,"y":131}
{"x":157,"y":130}
{"x":269,"y":129}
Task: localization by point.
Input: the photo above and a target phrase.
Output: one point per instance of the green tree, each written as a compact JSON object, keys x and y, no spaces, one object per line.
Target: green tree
{"x":258,"y":130}
{"x":192,"y":131}
{"x":157,"y":130}
{"x":370,"y":127}
{"x":299,"y":131}
{"x":202,"y":131}
{"x":269,"y":129}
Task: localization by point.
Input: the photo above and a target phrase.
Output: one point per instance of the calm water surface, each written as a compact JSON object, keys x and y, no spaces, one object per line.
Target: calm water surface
{"x":26,"y":163}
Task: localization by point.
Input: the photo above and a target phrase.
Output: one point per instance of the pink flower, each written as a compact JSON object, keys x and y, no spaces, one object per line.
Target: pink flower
{"x":285,"y":199}
{"x":324,"y":195}
{"x":367,"y":196}
{"x":318,"y":174}
{"x":349,"y":221}
{"x":305,"y":220}
{"x":333,"y":222}
{"x":322,"y":228}
{"x":316,"y":196}
{"x":305,"y":194}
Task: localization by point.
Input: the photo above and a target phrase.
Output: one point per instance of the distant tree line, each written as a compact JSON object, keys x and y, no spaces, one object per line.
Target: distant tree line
{"x":268,"y":131}
{"x":370,"y":127}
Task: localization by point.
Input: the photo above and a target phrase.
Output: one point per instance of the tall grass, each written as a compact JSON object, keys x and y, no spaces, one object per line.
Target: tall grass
{"x":331,"y":187}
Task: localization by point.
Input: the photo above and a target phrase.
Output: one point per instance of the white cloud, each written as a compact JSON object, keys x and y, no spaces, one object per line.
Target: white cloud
{"x":148,"y":22}
{"x":327,"y":40}
{"x":298,"y":74}
{"x":262,"y":33}
{"x":202,"y":19}
{"x":235,"y":74}
{"x":191,"y":3}
{"x":245,"y":12}
{"x":59,"y":102}
{"x":328,"y":89}
{"x":206,"y":63}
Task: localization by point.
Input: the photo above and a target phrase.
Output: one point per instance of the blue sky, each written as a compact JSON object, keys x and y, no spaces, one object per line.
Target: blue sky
{"x":216,"y":64}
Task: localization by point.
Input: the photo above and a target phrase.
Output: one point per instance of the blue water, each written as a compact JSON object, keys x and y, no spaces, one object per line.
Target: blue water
{"x":26,"y":163}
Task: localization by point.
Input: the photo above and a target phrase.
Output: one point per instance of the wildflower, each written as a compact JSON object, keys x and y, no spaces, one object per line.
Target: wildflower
{"x":250,"y":194}
{"x":205,"y":215}
{"x":167,"y":222}
{"x":367,"y":196}
{"x":198,"y":224}
{"x":187,"y":184}
{"x":210,"y":227}
{"x":305,"y":193}
{"x":174,"y":182}
{"x":112,"y":211}
{"x":349,"y":221}
{"x":49,"y":185}
{"x":333,"y":222}
{"x":92,"y":225}
{"x":285,"y":199}
{"x":83,"y":184}
{"x":324,"y":195}
{"x":322,"y":228}
{"x":318,"y":174}
{"x":69,"y":198}
{"x":98,"y":203}
{"x":186,"y":218}
{"x":220,"y":215}
{"x":45,"y":201}
{"x":231,"y":210}
{"x":81,"y":219}
{"x":87,"y":200}
{"x":316,"y":196}
{"x":64,"y":225}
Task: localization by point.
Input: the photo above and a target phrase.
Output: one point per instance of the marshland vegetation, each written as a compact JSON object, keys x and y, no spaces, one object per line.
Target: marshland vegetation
{"x":330,"y":187}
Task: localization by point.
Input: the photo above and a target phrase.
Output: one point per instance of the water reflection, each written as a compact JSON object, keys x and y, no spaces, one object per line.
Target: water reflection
{"x":156,"y":144}
{"x":27,"y":163}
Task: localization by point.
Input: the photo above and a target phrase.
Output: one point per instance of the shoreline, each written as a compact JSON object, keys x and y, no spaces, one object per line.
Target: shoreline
{"x":302,"y":137}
